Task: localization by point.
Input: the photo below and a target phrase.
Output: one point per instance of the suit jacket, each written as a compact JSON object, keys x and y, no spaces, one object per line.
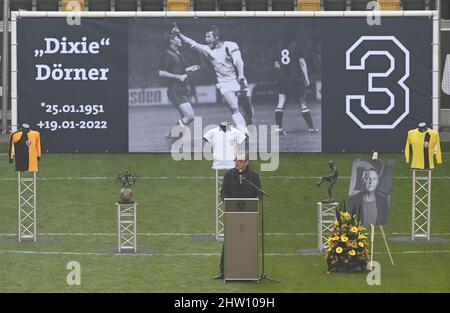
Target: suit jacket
{"x":233,"y":188}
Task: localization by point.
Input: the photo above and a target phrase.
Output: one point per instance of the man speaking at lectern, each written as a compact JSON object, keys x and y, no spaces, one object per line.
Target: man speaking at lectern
{"x":236,"y":184}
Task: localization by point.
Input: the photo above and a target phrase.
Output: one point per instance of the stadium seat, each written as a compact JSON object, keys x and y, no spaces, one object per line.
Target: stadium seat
{"x":152,"y":5}
{"x":69,"y":5}
{"x":99,"y":5}
{"x":230,"y":5}
{"x":413,"y":4}
{"x":126,"y":5}
{"x":282,"y":5}
{"x":360,"y":5}
{"x":47,"y":5}
{"x":309,"y":5}
{"x":178,"y":5}
{"x":389,"y":5}
{"x":257,"y":5}
{"x":16,"y":5}
{"x":334,"y":5}
{"x":204,"y":5}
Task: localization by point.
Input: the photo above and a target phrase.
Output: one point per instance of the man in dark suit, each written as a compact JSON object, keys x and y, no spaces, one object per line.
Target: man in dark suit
{"x":236,"y":185}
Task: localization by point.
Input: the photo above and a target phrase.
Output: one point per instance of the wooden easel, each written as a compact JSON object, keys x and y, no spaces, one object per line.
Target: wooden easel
{"x":372,"y":240}
{"x":372,"y":231}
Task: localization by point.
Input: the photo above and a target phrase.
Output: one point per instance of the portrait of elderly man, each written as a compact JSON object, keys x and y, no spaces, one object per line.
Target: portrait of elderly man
{"x":370,"y":189}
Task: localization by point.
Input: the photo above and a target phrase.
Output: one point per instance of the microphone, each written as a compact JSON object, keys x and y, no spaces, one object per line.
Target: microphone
{"x":240,"y":178}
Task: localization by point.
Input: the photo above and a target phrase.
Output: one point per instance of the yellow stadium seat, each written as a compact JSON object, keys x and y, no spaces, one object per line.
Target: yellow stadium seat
{"x":178,"y":5}
{"x":72,"y":5}
{"x":389,"y":5}
{"x":309,"y":5}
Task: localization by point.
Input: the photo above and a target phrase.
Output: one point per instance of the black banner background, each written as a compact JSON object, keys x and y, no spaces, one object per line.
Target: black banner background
{"x":340,"y":132}
{"x":111,"y":93}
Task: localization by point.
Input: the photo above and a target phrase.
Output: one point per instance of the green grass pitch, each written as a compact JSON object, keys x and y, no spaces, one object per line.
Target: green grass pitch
{"x":76,"y":217}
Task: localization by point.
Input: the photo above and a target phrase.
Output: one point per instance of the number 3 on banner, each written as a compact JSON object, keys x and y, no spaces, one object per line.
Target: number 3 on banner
{"x":361,"y":98}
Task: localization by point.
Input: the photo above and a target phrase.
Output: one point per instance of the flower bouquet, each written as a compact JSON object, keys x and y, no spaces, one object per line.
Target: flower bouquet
{"x":347,"y":245}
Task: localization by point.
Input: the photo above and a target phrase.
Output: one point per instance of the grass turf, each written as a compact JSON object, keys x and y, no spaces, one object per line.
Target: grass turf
{"x":178,"y":198}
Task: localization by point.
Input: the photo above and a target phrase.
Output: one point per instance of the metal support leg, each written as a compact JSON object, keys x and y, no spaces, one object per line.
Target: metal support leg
{"x":421,"y":204}
{"x":326,"y":217}
{"x":27,"y":208}
{"x":319,"y":226}
{"x":220,"y":212}
{"x":126,"y":227}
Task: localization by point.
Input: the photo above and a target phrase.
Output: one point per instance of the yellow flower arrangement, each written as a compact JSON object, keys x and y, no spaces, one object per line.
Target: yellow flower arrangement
{"x":346,"y":215}
{"x":347,"y":245}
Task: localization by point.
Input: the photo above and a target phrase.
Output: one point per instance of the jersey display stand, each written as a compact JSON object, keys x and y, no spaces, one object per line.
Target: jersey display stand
{"x":220,"y":211}
{"x":224,"y":139}
{"x":421,"y":204}
{"x":126,"y":228}
{"x":26,"y":189}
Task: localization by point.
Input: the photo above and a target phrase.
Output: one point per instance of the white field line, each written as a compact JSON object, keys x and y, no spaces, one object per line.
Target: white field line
{"x":153,"y":234}
{"x":78,"y":154}
{"x":187,"y":234}
{"x":191,"y":254}
{"x":190,"y":178}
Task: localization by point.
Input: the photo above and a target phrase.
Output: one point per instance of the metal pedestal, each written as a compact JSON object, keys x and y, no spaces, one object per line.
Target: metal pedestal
{"x":326,"y":217}
{"x":220,"y":210}
{"x":27,"y":207}
{"x":126,"y":227}
{"x":421,"y":204}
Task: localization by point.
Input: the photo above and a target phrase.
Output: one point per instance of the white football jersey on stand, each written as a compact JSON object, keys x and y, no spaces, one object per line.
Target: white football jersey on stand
{"x":224,"y":146}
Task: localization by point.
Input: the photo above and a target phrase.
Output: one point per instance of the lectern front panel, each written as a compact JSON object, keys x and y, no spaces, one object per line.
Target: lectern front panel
{"x":241,"y":239}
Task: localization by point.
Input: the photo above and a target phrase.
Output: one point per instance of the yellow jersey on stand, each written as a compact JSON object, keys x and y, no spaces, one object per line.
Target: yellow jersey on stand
{"x":416,"y":139}
{"x":25,"y":147}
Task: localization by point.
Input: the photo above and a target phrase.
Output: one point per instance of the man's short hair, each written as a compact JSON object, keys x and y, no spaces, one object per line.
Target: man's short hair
{"x":215,"y":31}
{"x":242,"y":156}
{"x":170,"y":36}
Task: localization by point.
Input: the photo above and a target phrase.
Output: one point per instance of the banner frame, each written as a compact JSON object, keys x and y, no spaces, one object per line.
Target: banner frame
{"x":15,"y":15}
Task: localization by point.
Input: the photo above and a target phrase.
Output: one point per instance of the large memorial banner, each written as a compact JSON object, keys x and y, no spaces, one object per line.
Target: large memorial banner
{"x":99,"y":87}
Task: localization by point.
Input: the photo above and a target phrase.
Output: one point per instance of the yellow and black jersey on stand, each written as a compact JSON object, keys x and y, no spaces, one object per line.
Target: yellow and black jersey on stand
{"x":423,"y":154}
{"x":25,"y":148}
